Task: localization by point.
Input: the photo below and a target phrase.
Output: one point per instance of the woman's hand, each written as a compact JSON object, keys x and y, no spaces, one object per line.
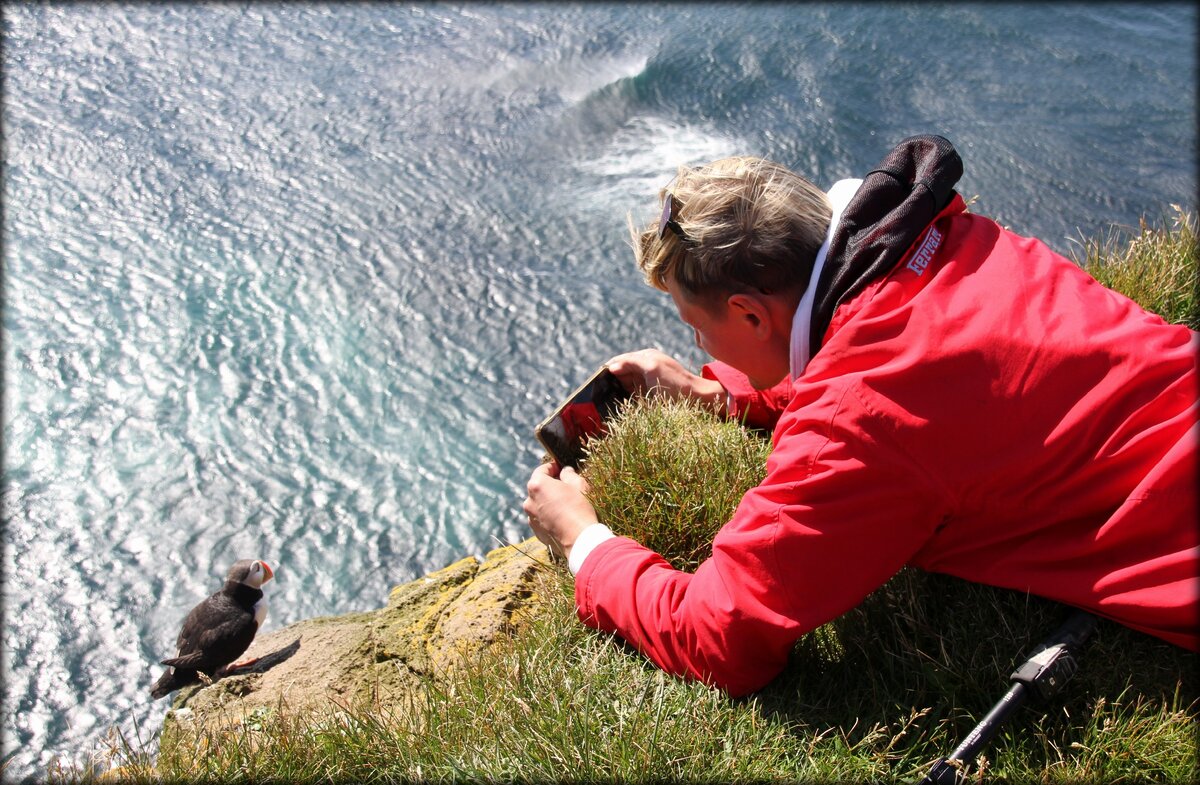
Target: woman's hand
{"x":650,"y":369}
{"x":557,"y":507}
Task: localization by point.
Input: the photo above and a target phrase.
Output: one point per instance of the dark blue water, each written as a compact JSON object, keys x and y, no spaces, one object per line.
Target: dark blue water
{"x":296,"y":281}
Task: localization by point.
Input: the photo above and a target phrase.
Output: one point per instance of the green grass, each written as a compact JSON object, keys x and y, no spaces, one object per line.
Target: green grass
{"x":1155,"y":267}
{"x":875,"y":696}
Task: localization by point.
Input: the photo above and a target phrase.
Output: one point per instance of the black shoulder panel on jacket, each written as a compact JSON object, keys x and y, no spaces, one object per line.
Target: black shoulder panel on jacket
{"x":898,"y":199}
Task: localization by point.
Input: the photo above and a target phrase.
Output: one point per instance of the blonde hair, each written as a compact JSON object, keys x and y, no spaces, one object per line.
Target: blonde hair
{"x":748,"y":223}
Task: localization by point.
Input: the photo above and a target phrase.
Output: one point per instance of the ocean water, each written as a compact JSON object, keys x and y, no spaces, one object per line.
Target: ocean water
{"x":295,"y":281}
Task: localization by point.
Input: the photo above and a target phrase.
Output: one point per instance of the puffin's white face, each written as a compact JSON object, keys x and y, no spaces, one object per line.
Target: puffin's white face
{"x":260,"y":573}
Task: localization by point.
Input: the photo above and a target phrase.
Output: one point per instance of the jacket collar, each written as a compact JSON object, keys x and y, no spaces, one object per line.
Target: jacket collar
{"x":891,"y":207}
{"x":839,"y":196}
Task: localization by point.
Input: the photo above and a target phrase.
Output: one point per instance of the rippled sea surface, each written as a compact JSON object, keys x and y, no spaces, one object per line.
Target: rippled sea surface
{"x":296,"y":281}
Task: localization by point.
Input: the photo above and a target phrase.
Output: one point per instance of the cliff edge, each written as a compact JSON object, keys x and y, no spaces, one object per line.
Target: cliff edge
{"x":377,"y":656}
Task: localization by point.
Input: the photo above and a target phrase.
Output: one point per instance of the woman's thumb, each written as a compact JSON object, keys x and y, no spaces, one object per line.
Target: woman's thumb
{"x":573,"y":478}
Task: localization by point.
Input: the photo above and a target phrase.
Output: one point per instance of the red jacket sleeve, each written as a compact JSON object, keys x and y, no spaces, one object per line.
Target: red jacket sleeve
{"x":822,"y":531}
{"x":754,"y":408}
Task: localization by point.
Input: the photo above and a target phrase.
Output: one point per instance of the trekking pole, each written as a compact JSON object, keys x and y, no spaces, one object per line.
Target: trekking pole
{"x":1042,"y":676}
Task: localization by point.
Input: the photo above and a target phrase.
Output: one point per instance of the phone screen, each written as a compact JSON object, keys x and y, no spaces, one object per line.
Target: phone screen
{"x":582,"y":416}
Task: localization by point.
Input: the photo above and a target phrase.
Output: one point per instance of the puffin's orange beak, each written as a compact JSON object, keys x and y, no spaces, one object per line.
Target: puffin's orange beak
{"x":267,"y":569}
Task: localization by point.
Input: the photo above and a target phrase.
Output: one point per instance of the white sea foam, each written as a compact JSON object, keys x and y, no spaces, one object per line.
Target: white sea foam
{"x":643,"y":155}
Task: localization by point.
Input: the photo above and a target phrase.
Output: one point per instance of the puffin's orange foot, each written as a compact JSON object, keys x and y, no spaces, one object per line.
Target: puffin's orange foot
{"x":240,"y":664}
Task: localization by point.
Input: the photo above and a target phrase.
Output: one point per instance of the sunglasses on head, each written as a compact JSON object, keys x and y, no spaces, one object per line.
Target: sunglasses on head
{"x":667,"y":221}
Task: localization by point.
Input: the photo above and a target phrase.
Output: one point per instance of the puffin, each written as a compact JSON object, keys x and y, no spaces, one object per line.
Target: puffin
{"x":218,"y":630}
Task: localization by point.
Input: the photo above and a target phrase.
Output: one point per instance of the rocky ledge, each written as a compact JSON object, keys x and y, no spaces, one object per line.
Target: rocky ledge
{"x":381,"y":655}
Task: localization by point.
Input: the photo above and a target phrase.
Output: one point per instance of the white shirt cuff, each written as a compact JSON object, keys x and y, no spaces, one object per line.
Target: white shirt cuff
{"x":585,"y":543}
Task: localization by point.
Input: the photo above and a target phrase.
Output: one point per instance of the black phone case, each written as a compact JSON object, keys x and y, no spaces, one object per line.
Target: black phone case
{"x":604,"y":391}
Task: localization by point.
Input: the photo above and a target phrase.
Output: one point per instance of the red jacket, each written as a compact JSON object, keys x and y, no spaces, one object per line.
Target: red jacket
{"x":988,"y":411}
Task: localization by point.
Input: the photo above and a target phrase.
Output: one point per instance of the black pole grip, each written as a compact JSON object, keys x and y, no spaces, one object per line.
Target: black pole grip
{"x":1050,"y":666}
{"x":1053,"y":663}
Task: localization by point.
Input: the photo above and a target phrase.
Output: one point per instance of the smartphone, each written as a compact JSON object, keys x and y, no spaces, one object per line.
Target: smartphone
{"x":582,"y":416}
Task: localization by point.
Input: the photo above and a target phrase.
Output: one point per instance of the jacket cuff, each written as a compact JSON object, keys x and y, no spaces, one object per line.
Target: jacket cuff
{"x":597,"y":560}
{"x":754,"y":408}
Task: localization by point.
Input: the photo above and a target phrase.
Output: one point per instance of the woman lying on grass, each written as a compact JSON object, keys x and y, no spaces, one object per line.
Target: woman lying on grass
{"x":943,"y":394}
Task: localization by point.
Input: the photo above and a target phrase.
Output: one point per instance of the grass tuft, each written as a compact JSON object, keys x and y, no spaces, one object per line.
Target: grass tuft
{"x":1155,"y":266}
{"x":670,"y":474}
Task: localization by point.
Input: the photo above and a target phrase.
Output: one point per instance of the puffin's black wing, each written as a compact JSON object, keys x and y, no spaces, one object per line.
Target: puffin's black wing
{"x":188,"y":642}
{"x":214,"y":634}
